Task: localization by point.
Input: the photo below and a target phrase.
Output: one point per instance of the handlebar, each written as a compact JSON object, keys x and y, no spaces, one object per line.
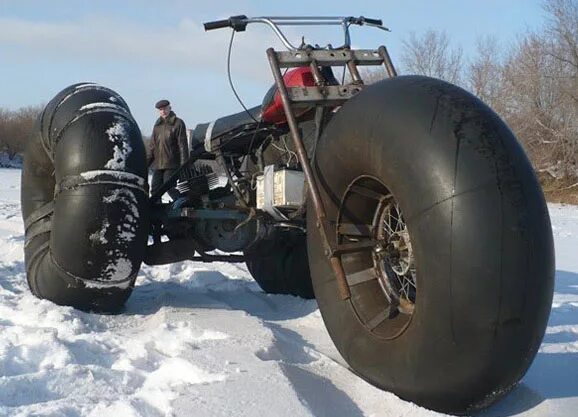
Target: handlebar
{"x":239,"y":24}
{"x":375,"y":22}
{"x":217,"y":24}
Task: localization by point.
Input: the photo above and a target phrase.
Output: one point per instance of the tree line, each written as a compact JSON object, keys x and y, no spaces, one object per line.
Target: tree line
{"x":532,"y":84}
{"x":16,"y":127}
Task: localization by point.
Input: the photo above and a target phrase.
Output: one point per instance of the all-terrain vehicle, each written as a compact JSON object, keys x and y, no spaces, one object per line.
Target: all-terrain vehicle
{"x":406,"y":207}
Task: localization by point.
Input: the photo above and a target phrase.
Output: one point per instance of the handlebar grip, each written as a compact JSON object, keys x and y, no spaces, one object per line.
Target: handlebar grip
{"x":217,"y":24}
{"x":377,"y":22}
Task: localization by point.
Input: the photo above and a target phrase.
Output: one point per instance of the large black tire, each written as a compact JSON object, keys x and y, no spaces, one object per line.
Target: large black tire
{"x":280,"y":266}
{"x":480,"y":236}
{"x":85,"y":200}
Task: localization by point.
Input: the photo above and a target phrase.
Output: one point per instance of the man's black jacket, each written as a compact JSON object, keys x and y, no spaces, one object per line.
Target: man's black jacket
{"x":168,"y":147}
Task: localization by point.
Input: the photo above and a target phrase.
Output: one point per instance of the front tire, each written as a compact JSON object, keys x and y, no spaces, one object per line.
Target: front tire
{"x":474,"y":240}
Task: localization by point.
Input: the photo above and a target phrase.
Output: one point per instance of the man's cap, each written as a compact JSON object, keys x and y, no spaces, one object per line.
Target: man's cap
{"x":162,"y":103}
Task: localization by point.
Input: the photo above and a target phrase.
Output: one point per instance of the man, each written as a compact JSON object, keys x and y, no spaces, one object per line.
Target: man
{"x":168,"y":148}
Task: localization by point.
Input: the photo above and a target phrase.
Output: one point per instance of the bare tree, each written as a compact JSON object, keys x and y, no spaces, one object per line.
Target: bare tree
{"x":485,"y":73}
{"x":563,"y":32}
{"x":16,"y":127}
{"x":539,"y":88}
{"x":530,"y":98}
{"x":533,"y":85}
{"x":371,"y":76}
{"x":560,"y":41}
{"x":430,"y":54}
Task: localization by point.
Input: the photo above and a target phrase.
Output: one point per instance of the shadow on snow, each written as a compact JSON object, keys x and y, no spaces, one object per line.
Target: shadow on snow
{"x":212,"y":289}
{"x":551,"y":375}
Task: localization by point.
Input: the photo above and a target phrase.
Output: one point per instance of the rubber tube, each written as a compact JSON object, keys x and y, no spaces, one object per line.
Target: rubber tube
{"x":85,"y":200}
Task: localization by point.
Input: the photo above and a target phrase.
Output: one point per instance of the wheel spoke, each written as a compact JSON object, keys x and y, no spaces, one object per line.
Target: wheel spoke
{"x":389,"y":230}
{"x":406,"y":283}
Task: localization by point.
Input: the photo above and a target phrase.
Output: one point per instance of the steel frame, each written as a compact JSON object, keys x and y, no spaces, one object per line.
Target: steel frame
{"x":319,"y":94}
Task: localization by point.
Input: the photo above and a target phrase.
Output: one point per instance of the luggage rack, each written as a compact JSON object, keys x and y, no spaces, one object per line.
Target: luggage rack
{"x":331,"y":95}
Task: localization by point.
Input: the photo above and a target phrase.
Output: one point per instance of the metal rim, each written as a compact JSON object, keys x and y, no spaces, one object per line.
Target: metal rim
{"x":380,"y":265}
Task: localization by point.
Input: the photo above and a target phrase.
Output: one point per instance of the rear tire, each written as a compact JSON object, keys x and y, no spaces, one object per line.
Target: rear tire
{"x":475,"y":230}
{"x":280,"y":265}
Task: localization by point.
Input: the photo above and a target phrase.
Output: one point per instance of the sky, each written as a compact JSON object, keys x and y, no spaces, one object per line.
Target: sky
{"x":149,"y":50}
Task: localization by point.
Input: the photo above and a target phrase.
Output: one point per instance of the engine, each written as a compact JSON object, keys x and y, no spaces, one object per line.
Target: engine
{"x":206,"y":211}
{"x":196,"y":181}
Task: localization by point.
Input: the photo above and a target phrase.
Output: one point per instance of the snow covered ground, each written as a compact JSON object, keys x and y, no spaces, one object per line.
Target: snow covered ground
{"x":203,"y":340}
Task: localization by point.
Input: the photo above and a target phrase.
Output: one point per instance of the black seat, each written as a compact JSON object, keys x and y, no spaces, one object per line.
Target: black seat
{"x":204,"y":133}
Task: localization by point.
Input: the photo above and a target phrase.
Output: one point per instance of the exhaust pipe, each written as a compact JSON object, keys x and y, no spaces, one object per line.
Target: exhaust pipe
{"x":85,"y":200}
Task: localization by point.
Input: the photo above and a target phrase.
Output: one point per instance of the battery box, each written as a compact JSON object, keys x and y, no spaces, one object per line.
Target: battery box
{"x":282,"y":188}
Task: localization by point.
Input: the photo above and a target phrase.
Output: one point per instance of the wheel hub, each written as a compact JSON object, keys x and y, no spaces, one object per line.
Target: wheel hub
{"x":393,"y":256}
